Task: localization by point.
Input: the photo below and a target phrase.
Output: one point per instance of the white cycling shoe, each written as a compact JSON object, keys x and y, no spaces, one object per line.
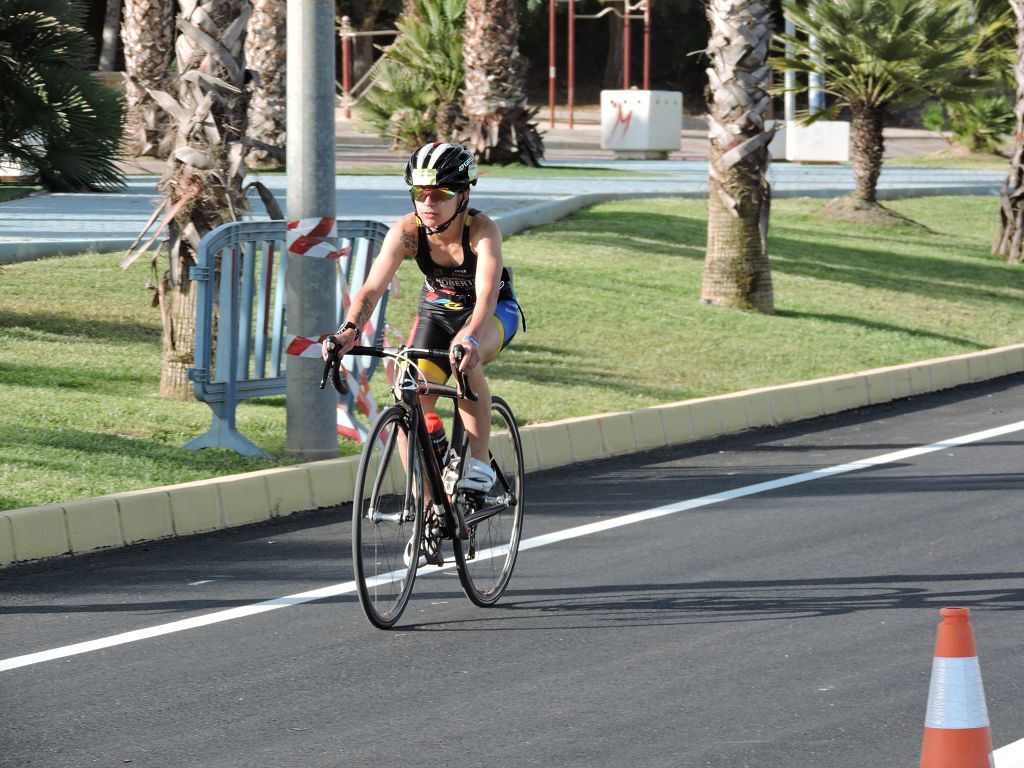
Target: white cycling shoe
{"x":478,"y":476}
{"x":408,"y":555}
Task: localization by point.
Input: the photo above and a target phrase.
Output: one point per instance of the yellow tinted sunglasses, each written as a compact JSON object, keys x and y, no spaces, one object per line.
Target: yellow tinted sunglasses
{"x":436,"y":194}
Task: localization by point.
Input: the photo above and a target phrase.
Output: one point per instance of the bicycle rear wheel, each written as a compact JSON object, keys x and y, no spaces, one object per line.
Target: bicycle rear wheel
{"x":486,"y":560}
{"x":386,"y":520}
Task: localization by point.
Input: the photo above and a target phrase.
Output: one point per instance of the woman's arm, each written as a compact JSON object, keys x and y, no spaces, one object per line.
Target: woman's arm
{"x":399,"y":244}
{"x":485,"y":240}
{"x":486,"y":243}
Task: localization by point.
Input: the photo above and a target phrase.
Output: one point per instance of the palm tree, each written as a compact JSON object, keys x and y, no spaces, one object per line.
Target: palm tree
{"x":877,"y":56}
{"x":56,"y":121}
{"x":147,"y":34}
{"x":265,"y":48}
{"x":982,"y":123}
{"x":1010,"y":242}
{"x":203,"y":180}
{"x":736,"y":269}
{"x":501,"y":127}
{"x":416,"y":86}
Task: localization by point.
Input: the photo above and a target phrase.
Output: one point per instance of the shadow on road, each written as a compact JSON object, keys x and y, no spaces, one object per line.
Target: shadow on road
{"x":715,"y":602}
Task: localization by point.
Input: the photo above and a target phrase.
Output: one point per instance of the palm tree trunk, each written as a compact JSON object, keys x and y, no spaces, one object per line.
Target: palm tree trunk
{"x":265,"y":47}
{"x":736,"y":269}
{"x":111,"y":25}
{"x":363,"y":49}
{"x":612,"y":78}
{"x":203,"y":180}
{"x":178,"y":315}
{"x":868,"y":147}
{"x":501,"y":127}
{"x":147,"y":34}
{"x":1010,"y":242}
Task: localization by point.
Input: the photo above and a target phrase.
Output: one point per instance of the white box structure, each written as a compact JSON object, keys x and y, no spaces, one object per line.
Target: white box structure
{"x":12,"y":170}
{"x":641,"y":125}
{"x":826,"y":141}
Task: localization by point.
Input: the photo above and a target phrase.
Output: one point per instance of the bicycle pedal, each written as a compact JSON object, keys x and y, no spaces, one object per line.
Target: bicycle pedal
{"x":436,"y":559}
{"x":472,"y":500}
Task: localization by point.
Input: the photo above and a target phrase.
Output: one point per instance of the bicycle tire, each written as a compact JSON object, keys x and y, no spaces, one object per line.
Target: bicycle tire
{"x":387,"y":521}
{"x":485,"y":562}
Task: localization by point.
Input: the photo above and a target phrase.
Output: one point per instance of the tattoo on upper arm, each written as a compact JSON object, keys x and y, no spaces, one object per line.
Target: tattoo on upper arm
{"x":409,"y":243}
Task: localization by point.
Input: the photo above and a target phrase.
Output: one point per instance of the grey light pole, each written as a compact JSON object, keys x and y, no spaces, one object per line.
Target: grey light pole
{"x":311,"y":431}
{"x":815,"y":82}
{"x":789,"y":100}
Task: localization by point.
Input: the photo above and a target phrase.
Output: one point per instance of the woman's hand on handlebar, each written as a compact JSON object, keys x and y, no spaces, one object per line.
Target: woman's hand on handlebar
{"x":344,"y":341}
{"x":470,"y":356}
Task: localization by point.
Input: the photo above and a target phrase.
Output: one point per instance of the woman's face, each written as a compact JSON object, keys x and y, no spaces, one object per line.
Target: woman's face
{"x":434,"y":205}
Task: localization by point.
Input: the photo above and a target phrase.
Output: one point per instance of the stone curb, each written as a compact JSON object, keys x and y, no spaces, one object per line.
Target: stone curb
{"x":121,"y":519}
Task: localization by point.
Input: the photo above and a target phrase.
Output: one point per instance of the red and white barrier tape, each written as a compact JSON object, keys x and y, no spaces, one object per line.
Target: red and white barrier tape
{"x":315,"y":237}
{"x":300,"y":346}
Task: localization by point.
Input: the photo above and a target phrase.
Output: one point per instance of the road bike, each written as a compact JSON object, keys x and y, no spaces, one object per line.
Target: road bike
{"x":407,"y":502}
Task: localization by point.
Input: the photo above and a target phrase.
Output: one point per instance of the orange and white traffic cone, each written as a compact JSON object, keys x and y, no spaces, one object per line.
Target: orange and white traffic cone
{"x":956,"y":729}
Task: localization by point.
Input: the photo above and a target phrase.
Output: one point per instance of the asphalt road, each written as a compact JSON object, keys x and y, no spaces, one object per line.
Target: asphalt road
{"x":788,"y":626}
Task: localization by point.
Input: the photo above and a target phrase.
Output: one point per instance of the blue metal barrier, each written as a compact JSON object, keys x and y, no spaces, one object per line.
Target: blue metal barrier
{"x":240,"y":317}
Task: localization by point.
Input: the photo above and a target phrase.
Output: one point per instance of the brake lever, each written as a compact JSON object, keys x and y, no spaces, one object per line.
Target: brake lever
{"x":332,"y":368}
{"x":461,"y":379}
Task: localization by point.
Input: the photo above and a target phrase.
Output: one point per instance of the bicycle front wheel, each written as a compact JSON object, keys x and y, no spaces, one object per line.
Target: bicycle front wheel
{"x":386,"y":519}
{"x":486,"y":560}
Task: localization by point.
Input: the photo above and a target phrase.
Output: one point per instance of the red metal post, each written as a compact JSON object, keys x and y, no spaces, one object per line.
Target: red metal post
{"x":625,"y":46}
{"x":551,"y":60}
{"x":647,"y":45}
{"x":346,"y":65}
{"x":572,"y":59}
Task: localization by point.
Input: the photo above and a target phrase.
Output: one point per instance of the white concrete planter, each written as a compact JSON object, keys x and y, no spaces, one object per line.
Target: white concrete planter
{"x":12,"y":170}
{"x":641,"y":125}
{"x":826,"y":141}
{"x":12,"y":173}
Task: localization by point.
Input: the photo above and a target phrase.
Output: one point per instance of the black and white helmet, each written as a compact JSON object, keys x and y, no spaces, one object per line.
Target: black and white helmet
{"x":441,"y":165}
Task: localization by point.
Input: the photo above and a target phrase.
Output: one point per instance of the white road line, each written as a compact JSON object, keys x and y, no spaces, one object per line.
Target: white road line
{"x":1010,"y":756}
{"x":537,"y":541}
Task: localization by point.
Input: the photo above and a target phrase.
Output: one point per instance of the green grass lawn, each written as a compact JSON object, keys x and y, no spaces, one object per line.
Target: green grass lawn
{"x":968,"y":162}
{"x":611,"y":298}
{"x":14,"y":191}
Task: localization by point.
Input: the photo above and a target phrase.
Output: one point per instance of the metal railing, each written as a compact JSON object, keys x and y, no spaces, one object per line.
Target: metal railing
{"x":241,"y":309}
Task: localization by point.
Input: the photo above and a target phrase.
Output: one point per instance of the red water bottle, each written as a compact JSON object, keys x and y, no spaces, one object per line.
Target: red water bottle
{"x":438,"y":439}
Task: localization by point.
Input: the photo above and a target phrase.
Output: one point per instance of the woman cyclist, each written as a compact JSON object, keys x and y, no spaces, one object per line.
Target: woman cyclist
{"x":467,"y":298}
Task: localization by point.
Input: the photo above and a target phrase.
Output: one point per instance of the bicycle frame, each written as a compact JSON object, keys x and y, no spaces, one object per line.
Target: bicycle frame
{"x":430,"y":496}
{"x":410,"y":391}
{"x":407,"y":390}
{"x":463,"y":522}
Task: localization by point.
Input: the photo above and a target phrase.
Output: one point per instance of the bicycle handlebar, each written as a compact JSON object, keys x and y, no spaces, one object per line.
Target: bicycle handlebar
{"x":332,"y":366}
